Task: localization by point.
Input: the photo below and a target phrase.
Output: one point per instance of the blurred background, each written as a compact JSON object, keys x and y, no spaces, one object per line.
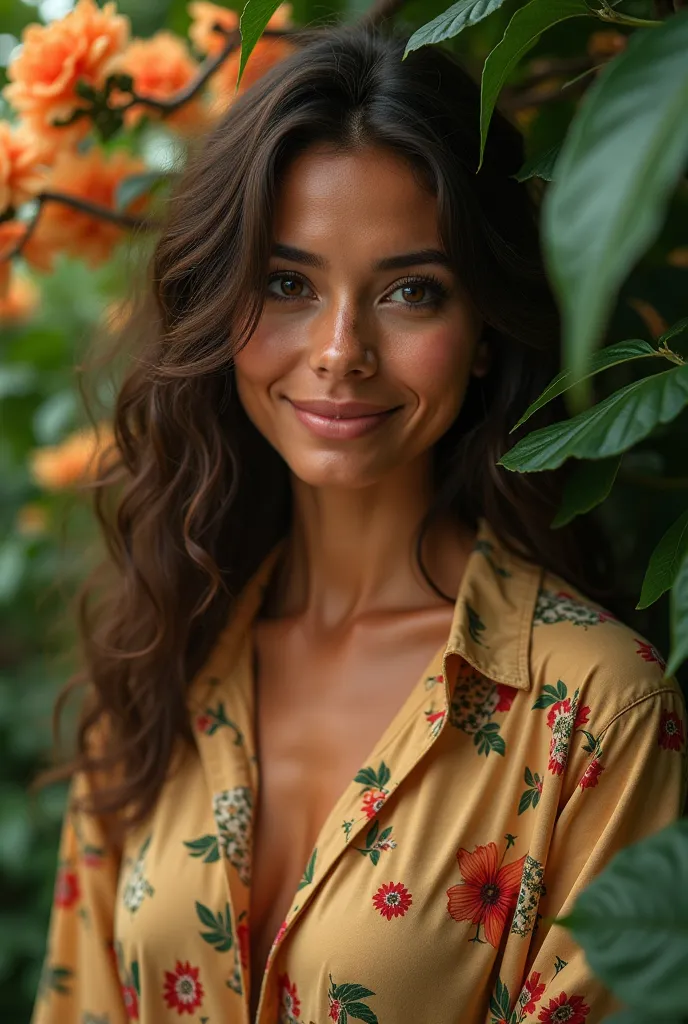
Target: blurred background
{"x":72,"y":282}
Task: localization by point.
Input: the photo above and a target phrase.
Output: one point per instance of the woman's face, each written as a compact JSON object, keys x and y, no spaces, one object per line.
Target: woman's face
{"x":367,"y":341}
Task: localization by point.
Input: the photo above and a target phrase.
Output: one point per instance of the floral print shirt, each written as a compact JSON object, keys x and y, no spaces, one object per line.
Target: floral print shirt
{"x":542,"y":739}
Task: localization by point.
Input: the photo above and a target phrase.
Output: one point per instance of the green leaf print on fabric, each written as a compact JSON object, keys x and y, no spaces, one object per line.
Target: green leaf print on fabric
{"x":233,"y":812}
{"x":207,"y":847}
{"x":374,"y":790}
{"x":137,"y":887}
{"x":500,"y":1005}
{"x":346,"y":1001}
{"x":212,"y":719}
{"x":55,"y":978}
{"x":220,"y":925}
{"x":559,"y":606}
{"x":486,"y":548}
{"x":474,"y":701}
{"x":377,"y":844}
{"x":94,"y":1018}
{"x":476,"y":626}
{"x":565,"y":717}
{"x":531,"y":796}
{"x":308,"y":873}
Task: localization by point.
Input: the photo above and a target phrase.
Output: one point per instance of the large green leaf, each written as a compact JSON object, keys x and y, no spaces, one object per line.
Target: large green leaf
{"x":677,"y":328}
{"x":632,"y":922}
{"x":679,"y":621}
{"x":255,"y":16}
{"x":622,"y":157}
{"x":541,"y":166}
{"x":635,"y":348}
{"x":609,"y":428}
{"x":665,"y":562}
{"x":452,"y":21}
{"x":588,"y":485}
{"x":522,"y":32}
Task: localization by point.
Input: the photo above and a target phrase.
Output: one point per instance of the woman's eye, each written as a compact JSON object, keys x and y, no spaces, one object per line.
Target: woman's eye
{"x":287,"y":286}
{"x":423,"y":294}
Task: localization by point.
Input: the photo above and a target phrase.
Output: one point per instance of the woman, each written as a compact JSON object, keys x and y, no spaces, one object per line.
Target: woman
{"x":354,"y":738}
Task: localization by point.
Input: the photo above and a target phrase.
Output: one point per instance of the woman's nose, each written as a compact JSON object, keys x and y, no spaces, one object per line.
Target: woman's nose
{"x":341,"y":347}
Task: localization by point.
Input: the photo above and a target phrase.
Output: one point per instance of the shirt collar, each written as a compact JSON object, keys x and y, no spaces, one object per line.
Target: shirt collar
{"x":493,"y":612}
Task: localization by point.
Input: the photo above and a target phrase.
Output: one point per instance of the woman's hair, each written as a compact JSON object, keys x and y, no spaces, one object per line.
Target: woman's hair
{"x":198,"y":497}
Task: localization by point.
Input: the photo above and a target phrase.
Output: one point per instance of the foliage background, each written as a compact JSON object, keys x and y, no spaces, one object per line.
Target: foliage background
{"x":47,"y":537}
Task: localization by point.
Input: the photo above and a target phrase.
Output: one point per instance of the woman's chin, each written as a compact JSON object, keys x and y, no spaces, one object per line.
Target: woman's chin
{"x":339,"y":470}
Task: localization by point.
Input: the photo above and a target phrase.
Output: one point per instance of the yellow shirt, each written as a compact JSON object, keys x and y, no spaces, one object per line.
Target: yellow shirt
{"x":540,"y":741}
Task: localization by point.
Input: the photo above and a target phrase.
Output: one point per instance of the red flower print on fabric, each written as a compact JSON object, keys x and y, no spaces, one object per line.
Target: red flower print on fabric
{"x":534,"y":989}
{"x":563,"y":707}
{"x":506,"y":696}
{"x":568,"y":1009}
{"x":392,"y":900}
{"x":289,"y":1002}
{"x":488,"y":892}
{"x":131,"y":1002}
{"x":373,"y":802}
{"x":671,"y":735}
{"x":591,"y":775}
{"x":183,"y":991}
{"x":649,"y":653}
{"x":335,"y":1010}
{"x":66,"y":889}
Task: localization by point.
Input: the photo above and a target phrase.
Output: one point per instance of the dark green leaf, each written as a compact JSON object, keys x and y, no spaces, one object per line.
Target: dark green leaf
{"x":136,"y":977}
{"x":679,"y":619}
{"x":526,"y":800}
{"x":588,"y":485}
{"x":635,"y":348}
{"x":359,"y":1011}
{"x":308,"y":873}
{"x":206,"y":916}
{"x":665,"y":562}
{"x":383,"y":775}
{"x":452,"y":21}
{"x":541,"y":166}
{"x":367,"y":777}
{"x":374,"y":856}
{"x":254,"y":18}
{"x":632,"y":922}
{"x":678,"y":328}
{"x":386,"y":832}
{"x":348,"y":992}
{"x":621,"y":159}
{"x":136,"y":185}
{"x":528,"y":778}
{"x":609,"y":428}
{"x":522,"y":32}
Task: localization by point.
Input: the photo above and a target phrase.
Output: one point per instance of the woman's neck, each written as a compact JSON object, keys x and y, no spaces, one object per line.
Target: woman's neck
{"x":352,"y":553}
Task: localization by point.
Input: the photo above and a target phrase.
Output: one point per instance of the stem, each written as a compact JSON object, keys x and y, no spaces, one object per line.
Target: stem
{"x":608,"y":14}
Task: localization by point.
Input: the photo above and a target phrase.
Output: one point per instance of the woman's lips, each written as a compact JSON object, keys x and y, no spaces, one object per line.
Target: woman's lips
{"x":343,"y":421}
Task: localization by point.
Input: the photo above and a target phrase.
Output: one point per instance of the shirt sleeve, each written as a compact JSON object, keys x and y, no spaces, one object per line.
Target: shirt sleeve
{"x":79,"y":982}
{"x":632,"y":786}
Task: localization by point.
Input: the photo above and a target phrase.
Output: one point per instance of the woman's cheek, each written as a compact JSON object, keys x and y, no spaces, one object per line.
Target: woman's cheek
{"x":438,"y":364}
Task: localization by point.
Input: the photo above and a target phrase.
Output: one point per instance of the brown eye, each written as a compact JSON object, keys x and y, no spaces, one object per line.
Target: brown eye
{"x":413,"y":293}
{"x":288,"y":286}
{"x":291,"y":286}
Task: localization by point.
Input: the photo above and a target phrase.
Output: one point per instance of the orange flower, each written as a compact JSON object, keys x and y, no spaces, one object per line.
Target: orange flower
{"x":488,"y":892}
{"x":75,"y":460}
{"x":20,"y":174}
{"x":53,"y":57}
{"x":160,"y":67}
{"x":92,"y":176}
{"x":606,"y":43}
{"x":11,"y":231}
{"x":31,"y":520}
{"x":21,"y":299}
{"x":267,"y":52}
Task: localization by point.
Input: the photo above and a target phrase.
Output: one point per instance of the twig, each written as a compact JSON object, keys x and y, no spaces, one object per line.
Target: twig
{"x":125,"y":220}
{"x":512,"y":101}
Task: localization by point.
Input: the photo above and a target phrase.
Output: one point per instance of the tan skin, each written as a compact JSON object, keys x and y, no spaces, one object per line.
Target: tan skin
{"x":349,"y":624}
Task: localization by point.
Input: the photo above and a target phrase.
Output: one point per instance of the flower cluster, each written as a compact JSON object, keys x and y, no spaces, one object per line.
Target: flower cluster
{"x":80,"y":81}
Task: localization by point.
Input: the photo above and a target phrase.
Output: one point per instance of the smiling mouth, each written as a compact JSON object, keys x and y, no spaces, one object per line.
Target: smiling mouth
{"x":341,"y":421}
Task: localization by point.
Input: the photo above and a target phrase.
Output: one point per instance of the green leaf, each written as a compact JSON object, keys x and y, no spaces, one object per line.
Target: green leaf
{"x":136,"y":185}
{"x":610,"y":427}
{"x":622,"y":156}
{"x":255,"y":16}
{"x":374,"y":856}
{"x":206,"y":847}
{"x":308,"y":873}
{"x":679,"y":620}
{"x":632,"y":922}
{"x":665,"y":562}
{"x":528,"y":778}
{"x":678,"y":328}
{"x":635,"y":348}
{"x":488,"y":738}
{"x":348,"y":992}
{"x":383,"y":775}
{"x":587,"y":486}
{"x":385,"y":834}
{"x":359,"y":1011}
{"x":541,"y":166}
{"x":447,"y":25}
{"x":367,"y":777}
{"x":372,"y":833}
{"x":522,"y":32}
{"x":206,"y":916}
{"x":136,"y":977}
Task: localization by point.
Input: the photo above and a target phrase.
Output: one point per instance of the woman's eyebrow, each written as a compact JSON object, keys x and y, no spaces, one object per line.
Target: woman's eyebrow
{"x":406,"y":259}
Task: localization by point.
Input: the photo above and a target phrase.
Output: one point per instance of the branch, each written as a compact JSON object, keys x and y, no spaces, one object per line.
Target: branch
{"x":125,"y":220}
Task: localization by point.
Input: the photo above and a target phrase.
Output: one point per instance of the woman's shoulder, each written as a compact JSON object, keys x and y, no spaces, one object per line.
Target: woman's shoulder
{"x":581,"y":643}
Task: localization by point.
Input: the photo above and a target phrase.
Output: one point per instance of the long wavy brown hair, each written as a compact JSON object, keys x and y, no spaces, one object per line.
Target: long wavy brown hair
{"x":197,"y":497}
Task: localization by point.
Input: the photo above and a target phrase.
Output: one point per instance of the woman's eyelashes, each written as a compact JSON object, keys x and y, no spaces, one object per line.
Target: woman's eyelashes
{"x":418,"y":292}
